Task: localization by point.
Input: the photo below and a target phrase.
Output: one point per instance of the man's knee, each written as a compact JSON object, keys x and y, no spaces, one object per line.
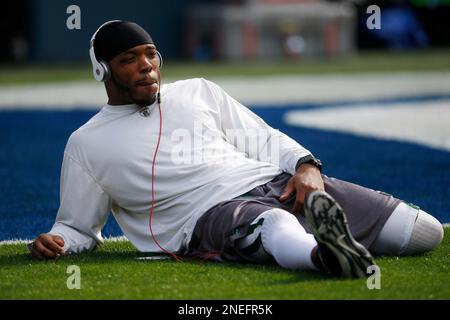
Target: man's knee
{"x":255,"y":243}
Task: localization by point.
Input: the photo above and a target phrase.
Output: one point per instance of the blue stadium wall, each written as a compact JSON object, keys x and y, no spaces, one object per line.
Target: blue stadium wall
{"x":52,"y":41}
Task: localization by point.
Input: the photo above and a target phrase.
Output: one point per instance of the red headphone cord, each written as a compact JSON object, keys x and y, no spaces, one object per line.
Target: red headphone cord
{"x":205,"y":256}
{"x":158,"y":100}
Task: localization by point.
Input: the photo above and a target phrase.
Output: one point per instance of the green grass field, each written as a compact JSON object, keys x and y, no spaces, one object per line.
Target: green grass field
{"x":430,"y":60}
{"x":112,"y":272}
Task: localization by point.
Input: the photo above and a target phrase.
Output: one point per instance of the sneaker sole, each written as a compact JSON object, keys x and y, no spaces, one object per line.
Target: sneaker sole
{"x":328,"y":223}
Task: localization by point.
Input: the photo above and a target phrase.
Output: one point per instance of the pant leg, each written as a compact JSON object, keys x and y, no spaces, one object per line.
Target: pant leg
{"x":367,"y":210}
{"x":220,"y":227}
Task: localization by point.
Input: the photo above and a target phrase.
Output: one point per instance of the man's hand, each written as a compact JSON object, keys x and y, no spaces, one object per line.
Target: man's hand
{"x":47,"y":246}
{"x":306,"y":179}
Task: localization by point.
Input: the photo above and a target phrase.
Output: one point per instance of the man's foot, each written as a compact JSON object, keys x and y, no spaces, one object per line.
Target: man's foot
{"x":338,"y":252}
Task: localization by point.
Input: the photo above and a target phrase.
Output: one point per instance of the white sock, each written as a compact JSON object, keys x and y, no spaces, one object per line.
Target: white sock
{"x":286,"y":240}
{"x":427,"y":234}
{"x":396,"y":232}
{"x":408,"y":230}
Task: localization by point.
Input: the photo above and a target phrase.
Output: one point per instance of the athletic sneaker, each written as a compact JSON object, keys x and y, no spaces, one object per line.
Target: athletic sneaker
{"x":339,"y":253}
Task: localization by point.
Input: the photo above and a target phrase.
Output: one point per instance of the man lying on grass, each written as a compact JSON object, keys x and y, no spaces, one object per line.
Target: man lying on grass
{"x":186,"y":169}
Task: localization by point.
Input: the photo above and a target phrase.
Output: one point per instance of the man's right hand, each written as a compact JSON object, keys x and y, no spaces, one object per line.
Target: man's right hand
{"x":47,"y":246}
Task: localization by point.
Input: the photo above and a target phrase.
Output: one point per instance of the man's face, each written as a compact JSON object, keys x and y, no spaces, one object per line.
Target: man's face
{"x":134,"y":76}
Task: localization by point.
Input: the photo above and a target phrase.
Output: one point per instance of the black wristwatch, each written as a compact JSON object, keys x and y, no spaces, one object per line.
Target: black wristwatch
{"x":311,"y":160}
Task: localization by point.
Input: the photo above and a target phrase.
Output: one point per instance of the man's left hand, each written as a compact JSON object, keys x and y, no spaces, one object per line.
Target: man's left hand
{"x":305,"y":180}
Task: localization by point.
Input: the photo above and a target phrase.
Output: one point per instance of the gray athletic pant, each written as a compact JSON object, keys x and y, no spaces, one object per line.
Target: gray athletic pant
{"x":218,"y":230}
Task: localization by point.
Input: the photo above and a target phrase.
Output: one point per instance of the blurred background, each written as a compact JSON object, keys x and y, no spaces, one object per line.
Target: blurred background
{"x":33,"y":31}
{"x":373,"y":104}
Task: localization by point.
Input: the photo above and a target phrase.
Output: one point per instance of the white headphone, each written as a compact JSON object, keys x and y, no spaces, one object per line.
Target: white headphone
{"x":101,"y":69}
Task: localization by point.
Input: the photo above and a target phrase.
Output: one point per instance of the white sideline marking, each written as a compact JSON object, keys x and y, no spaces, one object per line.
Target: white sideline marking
{"x":263,"y":91}
{"x":116,"y":239}
{"x":425,"y":122}
{"x":25,"y":241}
{"x":18,"y":241}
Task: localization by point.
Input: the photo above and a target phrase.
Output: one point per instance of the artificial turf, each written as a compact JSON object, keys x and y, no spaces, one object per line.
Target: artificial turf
{"x":113,"y":272}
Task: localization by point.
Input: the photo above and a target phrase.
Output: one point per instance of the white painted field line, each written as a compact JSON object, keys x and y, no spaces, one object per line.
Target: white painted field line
{"x":266,"y":90}
{"x":25,"y":241}
{"x":424,"y":122}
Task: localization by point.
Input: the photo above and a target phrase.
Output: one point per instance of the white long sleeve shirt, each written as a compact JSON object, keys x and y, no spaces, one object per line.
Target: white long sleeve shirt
{"x":212,"y":149}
